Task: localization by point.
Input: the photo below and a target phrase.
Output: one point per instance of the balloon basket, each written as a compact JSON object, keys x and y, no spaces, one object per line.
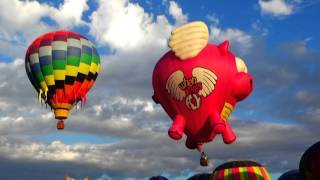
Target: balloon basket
{"x":204,"y":159}
{"x":60,"y":125}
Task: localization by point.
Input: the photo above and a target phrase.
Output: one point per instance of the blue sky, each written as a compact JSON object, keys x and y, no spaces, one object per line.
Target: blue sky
{"x":122,"y":129}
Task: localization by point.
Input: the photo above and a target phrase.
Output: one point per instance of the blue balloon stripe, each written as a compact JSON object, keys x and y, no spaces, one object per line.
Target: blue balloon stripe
{"x":45,"y":60}
{"x":59,"y":54}
{"x":74,"y":51}
{"x":86,"y":50}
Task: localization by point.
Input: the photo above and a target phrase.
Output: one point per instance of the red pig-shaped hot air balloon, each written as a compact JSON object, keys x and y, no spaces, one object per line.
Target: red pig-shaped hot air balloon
{"x":198,"y":84}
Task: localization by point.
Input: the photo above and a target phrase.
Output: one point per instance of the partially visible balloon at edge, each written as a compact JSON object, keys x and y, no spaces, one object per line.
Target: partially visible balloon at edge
{"x":291,"y":175}
{"x":310,"y":163}
{"x":240,"y":170}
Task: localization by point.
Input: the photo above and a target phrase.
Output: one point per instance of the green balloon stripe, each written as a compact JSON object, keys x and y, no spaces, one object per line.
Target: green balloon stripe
{"x":96,"y":59}
{"x":86,"y":58}
{"x":59,"y":64}
{"x":39,"y":76}
{"x":73,"y":60}
{"x":47,"y":70}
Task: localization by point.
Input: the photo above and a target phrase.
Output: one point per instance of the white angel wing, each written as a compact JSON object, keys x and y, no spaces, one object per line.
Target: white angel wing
{"x":172,"y":85}
{"x":207,"y":78}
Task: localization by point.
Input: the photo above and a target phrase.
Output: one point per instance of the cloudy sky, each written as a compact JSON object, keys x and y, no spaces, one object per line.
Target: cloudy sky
{"x":122,"y":133}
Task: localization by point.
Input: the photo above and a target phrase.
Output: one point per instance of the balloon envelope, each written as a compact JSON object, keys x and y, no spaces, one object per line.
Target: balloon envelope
{"x":198,"y":84}
{"x":240,"y":170}
{"x":200,"y":93}
{"x":310,"y":163}
{"x":158,"y":178}
{"x":62,"y":66}
{"x":291,"y":175}
{"x":202,"y":176}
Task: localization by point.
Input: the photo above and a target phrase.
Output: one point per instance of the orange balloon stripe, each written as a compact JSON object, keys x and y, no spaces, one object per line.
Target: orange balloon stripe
{"x":264,"y":173}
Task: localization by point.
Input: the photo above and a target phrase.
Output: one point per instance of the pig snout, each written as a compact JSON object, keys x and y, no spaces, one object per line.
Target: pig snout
{"x":242,"y":86}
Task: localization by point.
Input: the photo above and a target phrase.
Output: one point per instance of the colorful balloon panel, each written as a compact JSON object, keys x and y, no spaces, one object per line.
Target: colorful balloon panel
{"x":240,"y":170}
{"x":62,"y":66}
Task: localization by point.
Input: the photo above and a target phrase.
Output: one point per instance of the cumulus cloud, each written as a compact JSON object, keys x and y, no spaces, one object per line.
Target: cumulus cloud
{"x":176,"y":12}
{"x":69,"y":14}
{"x":123,"y":25}
{"x":276,"y":7}
{"x":299,"y":48}
{"x":28,"y":23}
{"x":240,"y":41}
{"x":138,"y":39}
{"x":213,"y":18}
{"x":143,"y":157}
{"x":260,"y":28}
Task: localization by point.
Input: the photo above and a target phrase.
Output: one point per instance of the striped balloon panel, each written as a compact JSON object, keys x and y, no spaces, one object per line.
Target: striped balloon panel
{"x":92,"y":74}
{"x":35,"y":67}
{"x":45,"y":59}
{"x":59,"y":62}
{"x":84,"y":66}
{"x":242,"y":173}
{"x":32,"y":79}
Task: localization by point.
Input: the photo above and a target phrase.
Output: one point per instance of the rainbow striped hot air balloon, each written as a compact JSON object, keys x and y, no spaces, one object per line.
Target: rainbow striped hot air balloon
{"x":240,"y":170}
{"x":62,"y":66}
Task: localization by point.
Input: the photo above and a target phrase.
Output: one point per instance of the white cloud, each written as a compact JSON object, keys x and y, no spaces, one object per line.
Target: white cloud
{"x":313,"y":114}
{"x":69,"y":13}
{"x":125,"y":26}
{"x":154,"y":152}
{"x":239,"y":40}
{"x":176,"y":12}
{"x":276,"y":7}
{"x":149,"y":107}
{"x":299,"y":48}
{"x":213,"y":18}
{"x":22,"y":21}
{"x":260,"y":28}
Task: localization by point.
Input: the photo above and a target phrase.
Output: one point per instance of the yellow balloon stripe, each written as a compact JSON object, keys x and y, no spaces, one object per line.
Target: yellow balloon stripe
{"x":84,"y":68}
{"x":59,"y":74}
{"x":98,"y":68}
{"x":49,"y":80}
{"x":71,"y":70}
{"x":258,"y":173}
{"x":93,"y":68}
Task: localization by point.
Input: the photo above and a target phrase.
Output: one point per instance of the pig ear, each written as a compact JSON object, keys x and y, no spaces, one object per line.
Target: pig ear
{"x":241,"y":65}
{"x":223,"y":47}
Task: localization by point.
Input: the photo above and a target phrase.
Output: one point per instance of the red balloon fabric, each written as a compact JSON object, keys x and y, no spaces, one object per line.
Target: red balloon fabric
{"x":199,"y":93}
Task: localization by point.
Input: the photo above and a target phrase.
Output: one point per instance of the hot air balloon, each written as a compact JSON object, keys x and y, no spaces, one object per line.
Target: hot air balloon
{"x":240,"y":170}
{"x":158,"y":178}
{"x":201,"y":176}
{"x":310,"y":163}
{"x":62,"y":66}
{"x":198,"y":85}
{"x":291,"y":175}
